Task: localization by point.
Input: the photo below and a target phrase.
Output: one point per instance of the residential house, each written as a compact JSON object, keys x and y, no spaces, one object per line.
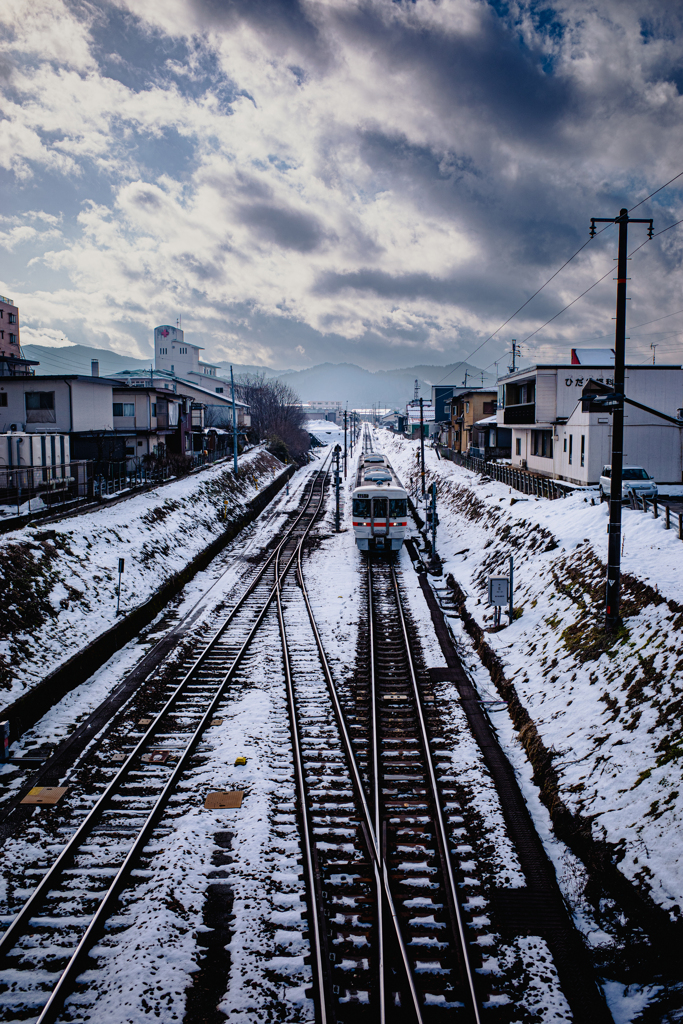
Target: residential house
{"x":468,"y":407}
{"x":553,"y":436}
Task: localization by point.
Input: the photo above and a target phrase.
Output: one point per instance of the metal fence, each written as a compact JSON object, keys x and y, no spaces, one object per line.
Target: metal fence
{"x":519,"y":479}
{"x":657,"y":505}
{"x":34,"y":489}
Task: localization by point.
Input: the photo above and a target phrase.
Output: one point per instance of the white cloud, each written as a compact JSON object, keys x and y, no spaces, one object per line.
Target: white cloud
{"x":404,"y":173}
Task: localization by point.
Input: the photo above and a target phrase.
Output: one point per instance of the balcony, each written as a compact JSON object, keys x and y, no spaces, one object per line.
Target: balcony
{"x":520,"y":413}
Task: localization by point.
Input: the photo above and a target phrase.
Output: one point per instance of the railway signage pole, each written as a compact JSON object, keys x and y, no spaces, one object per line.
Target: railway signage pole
{"x":614,"y":528}
{"x":234,"y":424}
{"x":422,"y":446}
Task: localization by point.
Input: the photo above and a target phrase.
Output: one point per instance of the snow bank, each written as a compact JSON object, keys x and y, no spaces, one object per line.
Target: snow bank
{"x":59,"y":581}
{"x":607,"y":708}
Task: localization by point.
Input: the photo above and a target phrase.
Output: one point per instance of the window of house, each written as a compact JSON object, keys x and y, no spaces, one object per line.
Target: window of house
{"x":518,"y":446}
{"x":467,"y":406}
{"x":130,"y":451}
{"x":542,"y":443}
{"x":154,"y":408}
{"x":583,"y":449}
{"x":2,"y":314}
{"x":40,"y":407}
{"x":3,"y":400}
{"x":565,"y":444}
{"x":219,"y":391}
{"x":12,"y":339}
{"x":571,"y":446}
{"x":2,"y":335}
{"x":124,"y":408}
{"x":12,"y":318}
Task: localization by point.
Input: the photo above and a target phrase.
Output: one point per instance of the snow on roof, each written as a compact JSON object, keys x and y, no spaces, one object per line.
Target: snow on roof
{"x":487,"y":421}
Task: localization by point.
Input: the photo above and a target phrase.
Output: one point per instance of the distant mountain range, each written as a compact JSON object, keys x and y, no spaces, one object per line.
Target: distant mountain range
{"x":327,"y":382}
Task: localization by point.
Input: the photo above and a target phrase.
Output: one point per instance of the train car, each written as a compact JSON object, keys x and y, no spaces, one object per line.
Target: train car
{"x":380,"y":506}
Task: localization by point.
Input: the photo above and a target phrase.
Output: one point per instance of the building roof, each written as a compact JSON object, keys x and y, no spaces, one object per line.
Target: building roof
{"x":167,"y":375}
{"x":595,"y":366}
{"x":37,"y":377}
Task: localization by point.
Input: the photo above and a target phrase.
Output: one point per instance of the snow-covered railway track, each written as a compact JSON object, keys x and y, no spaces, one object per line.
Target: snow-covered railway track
{"x":415,"y":813}
{"x":110,"y":823}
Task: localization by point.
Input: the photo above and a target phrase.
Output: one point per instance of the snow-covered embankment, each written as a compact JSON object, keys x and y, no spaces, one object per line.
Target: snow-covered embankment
{"x":607,"y":708}
{"x":59,"y":581}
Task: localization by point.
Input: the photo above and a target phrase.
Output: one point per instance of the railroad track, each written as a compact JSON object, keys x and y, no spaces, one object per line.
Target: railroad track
{"x":103,"y":839}
{"x":388,"y":935}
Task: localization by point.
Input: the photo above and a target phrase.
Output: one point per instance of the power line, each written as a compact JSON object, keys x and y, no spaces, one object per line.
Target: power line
{"x":655,"y":192}
{"x":475,"y":350}
{"x":590,"y":288}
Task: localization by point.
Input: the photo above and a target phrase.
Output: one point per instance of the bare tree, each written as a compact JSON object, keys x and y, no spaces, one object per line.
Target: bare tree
{"x":276,"y":415}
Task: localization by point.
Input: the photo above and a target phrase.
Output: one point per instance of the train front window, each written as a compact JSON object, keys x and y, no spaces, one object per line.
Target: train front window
{"x":379,"y":508}
{"x":398,"y":507}
{"x":361,"y":507}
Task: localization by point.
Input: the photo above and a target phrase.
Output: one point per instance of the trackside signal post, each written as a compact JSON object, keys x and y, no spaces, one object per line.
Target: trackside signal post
{"x":614,"y":528}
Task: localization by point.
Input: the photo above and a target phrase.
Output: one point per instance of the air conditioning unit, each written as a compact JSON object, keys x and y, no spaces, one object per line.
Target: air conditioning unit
{"x":16,"y":428}
{"x":523,"y":463}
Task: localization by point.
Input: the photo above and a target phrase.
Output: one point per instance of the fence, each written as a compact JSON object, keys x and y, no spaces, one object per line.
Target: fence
{"x":655,"y":504}
{"x":35,"y":489}
{"x":519,"y":479}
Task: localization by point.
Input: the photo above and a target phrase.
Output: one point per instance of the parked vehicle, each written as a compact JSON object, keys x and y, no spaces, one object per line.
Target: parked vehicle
{"x":634,"y":480}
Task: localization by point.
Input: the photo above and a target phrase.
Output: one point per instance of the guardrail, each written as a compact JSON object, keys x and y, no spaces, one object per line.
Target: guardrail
{"x":37,"y":489}
{"x":519,"y":479}
{"x":654,"y":504}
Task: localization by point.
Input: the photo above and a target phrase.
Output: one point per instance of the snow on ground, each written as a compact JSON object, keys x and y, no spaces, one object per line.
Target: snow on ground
{"x":60,"y":593}
{"x":609,"y":712}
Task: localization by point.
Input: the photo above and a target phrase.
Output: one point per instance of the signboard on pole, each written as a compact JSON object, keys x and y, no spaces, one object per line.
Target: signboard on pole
{"x":499,"y":591}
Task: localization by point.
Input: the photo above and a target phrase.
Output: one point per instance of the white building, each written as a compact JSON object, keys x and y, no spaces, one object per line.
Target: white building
{"x":180,"y":357}
{"x":551,"y":434}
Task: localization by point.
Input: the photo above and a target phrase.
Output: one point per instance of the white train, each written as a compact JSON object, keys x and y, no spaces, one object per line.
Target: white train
{"x":380,"y":506}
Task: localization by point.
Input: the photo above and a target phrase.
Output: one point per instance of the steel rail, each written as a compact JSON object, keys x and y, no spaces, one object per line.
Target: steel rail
{"x":9,"y":935}
{"x":320,"y":975}
{"x":14,"y":931}
{"x":437,"y":803}
{"x":380,"y":868}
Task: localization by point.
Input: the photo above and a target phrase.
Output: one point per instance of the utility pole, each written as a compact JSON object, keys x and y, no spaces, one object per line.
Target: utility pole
{"x":516,"y":351}
{"x":614,"y":528}
{"x":434,"y":519}
{"x":337,"y":450}
{"x":422,"y":446}
{"x":654,"y":352}
{"x":345,"y":414}
{"x":234,"y":424}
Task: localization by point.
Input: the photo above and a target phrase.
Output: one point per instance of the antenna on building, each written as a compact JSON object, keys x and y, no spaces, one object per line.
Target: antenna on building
{"x":178,"y":321}
{"x":516,"y":351}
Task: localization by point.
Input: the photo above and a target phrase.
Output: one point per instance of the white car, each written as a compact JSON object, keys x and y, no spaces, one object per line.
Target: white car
{"x":634,"y":480}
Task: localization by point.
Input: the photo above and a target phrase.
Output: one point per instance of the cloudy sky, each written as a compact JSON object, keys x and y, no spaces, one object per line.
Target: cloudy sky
{"x":347,"y":180}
